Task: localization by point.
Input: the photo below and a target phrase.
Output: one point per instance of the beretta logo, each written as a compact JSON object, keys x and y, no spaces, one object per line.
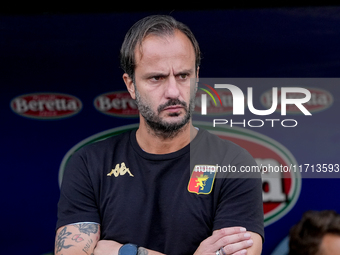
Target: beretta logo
{"x":280,"y":190}
{"x":118,"y":103}
{"x":320,"y":100}
{"x":46,"y":105}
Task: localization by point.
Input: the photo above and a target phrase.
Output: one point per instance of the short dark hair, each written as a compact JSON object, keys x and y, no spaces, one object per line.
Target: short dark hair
{"x":157,"y":25}
{"x":306,"y":236}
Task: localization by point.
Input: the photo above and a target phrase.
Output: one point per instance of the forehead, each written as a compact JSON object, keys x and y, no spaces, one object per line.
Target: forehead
{"x":168,"y":49}
{"x":330,"y":244}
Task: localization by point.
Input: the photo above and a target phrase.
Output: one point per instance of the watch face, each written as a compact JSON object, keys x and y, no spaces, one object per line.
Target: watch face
{"x":128,"y":249}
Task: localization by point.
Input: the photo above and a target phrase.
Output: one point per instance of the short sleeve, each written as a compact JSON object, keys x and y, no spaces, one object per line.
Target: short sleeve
{"x":77,"y":201}
{"x":240,"y":199}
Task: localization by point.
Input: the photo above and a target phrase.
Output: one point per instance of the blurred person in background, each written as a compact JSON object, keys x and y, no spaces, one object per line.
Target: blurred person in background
{"x":317,"y":233}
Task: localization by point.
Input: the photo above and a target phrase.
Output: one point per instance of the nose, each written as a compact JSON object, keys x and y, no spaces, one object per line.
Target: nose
{"x":172,"y":89}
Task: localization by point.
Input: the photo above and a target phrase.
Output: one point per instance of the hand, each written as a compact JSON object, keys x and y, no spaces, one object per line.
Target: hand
{"x":105,"y":247}
{"x":234,"y":241}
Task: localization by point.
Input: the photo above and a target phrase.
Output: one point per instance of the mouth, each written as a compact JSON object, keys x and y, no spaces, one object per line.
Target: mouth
{"x":173,"y":108}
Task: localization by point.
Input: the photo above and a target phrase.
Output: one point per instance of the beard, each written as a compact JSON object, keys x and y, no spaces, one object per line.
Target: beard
{"x":159,"y":126}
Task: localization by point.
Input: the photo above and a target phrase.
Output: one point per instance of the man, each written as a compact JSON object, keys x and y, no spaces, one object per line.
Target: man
{"x":131,"y":194}
{"x":317,"y":233}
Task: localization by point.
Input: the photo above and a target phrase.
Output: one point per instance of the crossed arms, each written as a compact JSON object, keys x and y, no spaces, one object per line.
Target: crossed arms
{"x":83,"y":238}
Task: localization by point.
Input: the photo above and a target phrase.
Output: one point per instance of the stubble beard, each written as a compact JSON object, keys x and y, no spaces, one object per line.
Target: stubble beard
{"x":156,"y":124}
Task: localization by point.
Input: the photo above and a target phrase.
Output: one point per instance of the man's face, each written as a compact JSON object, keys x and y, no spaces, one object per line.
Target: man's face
{"x":163,"y":92}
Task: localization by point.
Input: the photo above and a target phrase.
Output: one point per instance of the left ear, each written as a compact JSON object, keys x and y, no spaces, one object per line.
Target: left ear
{"x":129,"y":85}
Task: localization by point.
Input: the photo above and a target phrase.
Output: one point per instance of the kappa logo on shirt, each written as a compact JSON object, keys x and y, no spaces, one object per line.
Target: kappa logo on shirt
{"x":120,"y":170}
{"x":202,"y":179}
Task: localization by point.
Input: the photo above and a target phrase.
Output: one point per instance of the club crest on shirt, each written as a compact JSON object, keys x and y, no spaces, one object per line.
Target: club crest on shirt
{"x":202,"y":179}
{"x":120,"y":170}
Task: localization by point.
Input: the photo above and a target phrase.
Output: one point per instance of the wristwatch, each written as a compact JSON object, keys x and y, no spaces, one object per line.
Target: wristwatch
{"x":128,"y":249}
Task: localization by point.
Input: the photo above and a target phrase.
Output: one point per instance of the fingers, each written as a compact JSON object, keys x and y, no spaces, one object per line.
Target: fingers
{"x":218,"y":234}
{"x":233,"y":240}
{"x":238,"y":248}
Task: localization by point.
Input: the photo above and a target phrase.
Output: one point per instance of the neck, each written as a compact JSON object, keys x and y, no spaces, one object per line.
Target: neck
{"x":156,"y":143}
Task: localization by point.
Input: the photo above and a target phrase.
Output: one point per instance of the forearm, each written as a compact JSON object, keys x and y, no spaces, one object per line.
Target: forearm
{"x":144,"y":251}
{"x":256,"y":248}
{"x":77,"y":239}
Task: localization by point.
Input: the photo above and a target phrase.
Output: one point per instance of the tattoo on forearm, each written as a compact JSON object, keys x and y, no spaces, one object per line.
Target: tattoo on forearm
{"x":142,"y":251}
{"x":77,"y":238}
{"x":61,"y":240}
{"x":87,"y":228}
{"x":87,"y":246}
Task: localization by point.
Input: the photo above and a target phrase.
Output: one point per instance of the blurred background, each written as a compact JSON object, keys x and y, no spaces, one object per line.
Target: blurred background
{"x":60,"y":83}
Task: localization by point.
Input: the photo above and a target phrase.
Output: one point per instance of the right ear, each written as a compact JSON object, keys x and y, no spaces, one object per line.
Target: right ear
{"x":129,"y":85}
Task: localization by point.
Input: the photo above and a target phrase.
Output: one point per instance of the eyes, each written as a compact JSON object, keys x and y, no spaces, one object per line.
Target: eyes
{"x":157,"y":78}
{"x":183,"y":76}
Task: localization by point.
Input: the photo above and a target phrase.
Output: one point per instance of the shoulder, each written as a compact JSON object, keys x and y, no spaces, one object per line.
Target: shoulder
{"x":209,"y":142}
{"x":95,"y":157}
{"x":208,"y":137}
{"x":107,"y":144}
{"x":101,"y":151}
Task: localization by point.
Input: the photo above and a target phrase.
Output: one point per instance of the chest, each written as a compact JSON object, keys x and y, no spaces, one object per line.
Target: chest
{"x":153,"y":201}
